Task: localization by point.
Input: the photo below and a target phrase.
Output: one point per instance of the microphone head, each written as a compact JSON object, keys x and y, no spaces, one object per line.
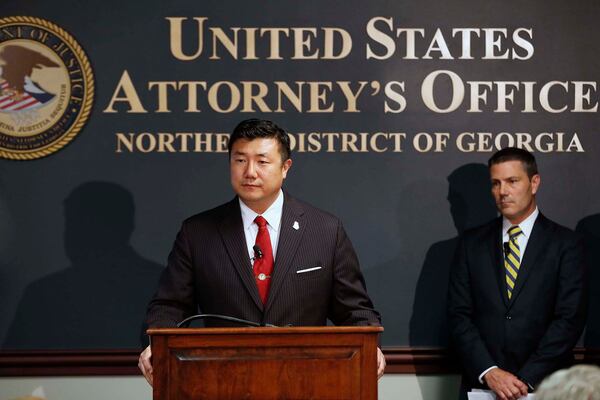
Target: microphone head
{"x":257,"y":251}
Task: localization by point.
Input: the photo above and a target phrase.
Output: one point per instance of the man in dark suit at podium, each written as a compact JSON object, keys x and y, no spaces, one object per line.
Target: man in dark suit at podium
{"x":517,"y":290}
{"x":264,"y":256}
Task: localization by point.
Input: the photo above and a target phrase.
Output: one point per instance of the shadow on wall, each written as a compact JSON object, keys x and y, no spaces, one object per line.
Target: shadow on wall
{"x":589,"y":227}
{"x":99,"y":301}
{"x":420,"y":216}
{"x":471,"y":205}
{"x":8,"y":256}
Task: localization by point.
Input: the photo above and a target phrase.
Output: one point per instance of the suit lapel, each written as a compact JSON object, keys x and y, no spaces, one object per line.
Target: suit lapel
{"x":497,"y":255}
{"x":232,"y":232}
{"x":537,"y":242}
{"x":291,"y":231}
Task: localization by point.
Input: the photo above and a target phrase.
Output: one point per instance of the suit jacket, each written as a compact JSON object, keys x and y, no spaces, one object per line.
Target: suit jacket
{"x":533,"y":333}
{"x":209,"y":271}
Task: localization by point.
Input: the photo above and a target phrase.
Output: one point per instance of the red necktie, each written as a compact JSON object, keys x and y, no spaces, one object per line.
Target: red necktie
{"x":263,"y":262}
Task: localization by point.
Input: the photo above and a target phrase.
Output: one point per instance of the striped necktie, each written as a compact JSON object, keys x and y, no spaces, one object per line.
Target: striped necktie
{"x":512,"y":258}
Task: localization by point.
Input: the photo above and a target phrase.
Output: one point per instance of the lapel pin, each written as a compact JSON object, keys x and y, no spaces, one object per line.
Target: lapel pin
{"x":296,"y":225}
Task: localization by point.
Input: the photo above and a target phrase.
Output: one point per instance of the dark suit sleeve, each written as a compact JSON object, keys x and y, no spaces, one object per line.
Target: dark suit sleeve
{"x":555,"y":347}
{"x":465,"y":335}
{"x":350,"y":304}
{"x":174,"y":299}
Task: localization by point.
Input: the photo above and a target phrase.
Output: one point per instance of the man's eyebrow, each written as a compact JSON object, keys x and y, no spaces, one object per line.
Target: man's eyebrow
{"x":243,"y":153}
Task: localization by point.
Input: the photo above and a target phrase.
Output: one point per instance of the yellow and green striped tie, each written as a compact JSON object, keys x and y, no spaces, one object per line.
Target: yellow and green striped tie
{"x":512,"y":258}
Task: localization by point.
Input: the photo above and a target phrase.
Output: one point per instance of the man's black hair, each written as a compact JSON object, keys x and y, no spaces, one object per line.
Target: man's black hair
{"x":260,"y":128}
{"x":515,"y":154}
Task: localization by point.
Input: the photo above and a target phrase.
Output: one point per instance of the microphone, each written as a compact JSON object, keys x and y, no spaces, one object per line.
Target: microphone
{"x":257,"y":251}
{"x":506,"y":248}
{"x":185,"y":323}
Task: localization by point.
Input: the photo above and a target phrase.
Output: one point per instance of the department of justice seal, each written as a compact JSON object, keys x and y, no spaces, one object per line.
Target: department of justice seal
{"x":46,"y":88}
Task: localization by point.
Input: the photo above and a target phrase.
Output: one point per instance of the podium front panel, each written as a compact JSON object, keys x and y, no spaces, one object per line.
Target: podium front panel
{"x":266,"y":364}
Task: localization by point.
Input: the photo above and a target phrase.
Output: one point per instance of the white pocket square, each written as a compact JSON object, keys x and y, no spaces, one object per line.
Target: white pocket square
{"x":301,"y":271}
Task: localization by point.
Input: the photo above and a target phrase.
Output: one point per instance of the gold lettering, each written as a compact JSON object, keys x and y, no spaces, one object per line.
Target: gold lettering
{"x":318,"y":97}
{"x":192,"y":88}
{"x":200,"y":142}
{"x":222,"y":141}
{"x":42,"y":36}
{"x":329,"y":40}
{"x":130,"y":96}
{"x":77,"y":88}
{"x":176,"y":38}
{"x":349,"y":142}
{"x":303,"y":43}
{"x":8,"y":33}
{"x":398,"y":139}
{"x":213,"y":97}
{"x":273,"y":34}
{"x":314,"y":143}
{"x":229,"y":44}
{"x":124,"y":140}
{"x":163,"y":94}
{"x":351,"y":97}
{"x":165,"y":141}
{"x":150,"y":142}
{"x":183,"y":138}
{"x":373,"y":142}
{"x":257,"y":98}
{"x":330,"y":136}
{"x":294,"y":98}
{"x":250,"y":44}
{"x":61,"y":48}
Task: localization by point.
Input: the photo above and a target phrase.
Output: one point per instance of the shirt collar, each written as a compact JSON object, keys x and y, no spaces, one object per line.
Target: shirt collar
{"x":526,"y":225}
{"x":271,"y":214}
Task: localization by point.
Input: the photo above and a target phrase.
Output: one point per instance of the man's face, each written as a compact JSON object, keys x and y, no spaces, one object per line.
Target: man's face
{"x":257,"y":171}
{"x":513,"y":191}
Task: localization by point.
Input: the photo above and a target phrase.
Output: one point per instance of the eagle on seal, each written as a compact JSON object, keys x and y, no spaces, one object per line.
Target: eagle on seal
{"x":18,"y":64}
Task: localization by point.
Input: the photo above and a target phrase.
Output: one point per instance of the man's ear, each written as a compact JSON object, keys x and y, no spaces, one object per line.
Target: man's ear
{"x":287,"y":164}
{"x":535,"y":183}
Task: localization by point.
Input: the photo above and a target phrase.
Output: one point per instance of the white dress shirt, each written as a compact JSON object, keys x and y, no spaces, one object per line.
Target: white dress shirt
{"x":526,"y":227}
{"x":273,"y":217}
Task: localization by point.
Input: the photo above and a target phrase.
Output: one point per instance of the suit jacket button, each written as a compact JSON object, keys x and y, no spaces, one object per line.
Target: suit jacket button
{"x":508,"y":317}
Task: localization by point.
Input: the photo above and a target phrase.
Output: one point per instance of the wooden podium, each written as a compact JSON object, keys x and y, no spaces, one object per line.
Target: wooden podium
{"x":265,"y":363}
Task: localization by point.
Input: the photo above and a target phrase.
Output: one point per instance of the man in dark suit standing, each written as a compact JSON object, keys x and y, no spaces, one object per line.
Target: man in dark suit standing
{"x":264,"y":256}
{"x":517,"y":287}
